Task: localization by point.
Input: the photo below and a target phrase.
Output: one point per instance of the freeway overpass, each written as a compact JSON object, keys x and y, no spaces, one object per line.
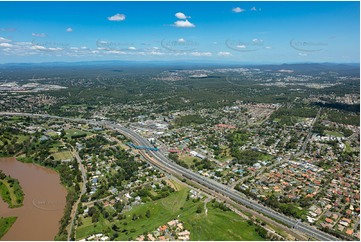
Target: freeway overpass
{"x":158,"y":157}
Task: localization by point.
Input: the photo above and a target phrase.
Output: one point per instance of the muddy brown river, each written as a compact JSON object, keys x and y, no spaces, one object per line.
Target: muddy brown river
{"x":44,"y":201}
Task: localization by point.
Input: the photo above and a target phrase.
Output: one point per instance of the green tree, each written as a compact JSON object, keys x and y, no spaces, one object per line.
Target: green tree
{"x":199,"y":209}
{"x":147,"y":213}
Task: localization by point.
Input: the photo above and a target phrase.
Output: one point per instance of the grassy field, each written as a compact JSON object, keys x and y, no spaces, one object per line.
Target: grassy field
{"x":52,"y":134}
{"x":188,"y":159}
{"x":265,"y":157}
{"x":88,"y":228}
{"x":220,"y":225}
{"x":333,"y":133}
{"x":216,"y":225}
{"x":348,"y":148}
{"x":5,"y":225}
{"x":71,"y":132}
{"x":11,"y":192}
{"x":63,"y":155}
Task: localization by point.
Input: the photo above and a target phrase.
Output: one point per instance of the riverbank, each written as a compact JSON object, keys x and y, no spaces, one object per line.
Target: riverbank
{"x":5,"y":225}
{"x":11,"y":191}
{"x":44,"y":202}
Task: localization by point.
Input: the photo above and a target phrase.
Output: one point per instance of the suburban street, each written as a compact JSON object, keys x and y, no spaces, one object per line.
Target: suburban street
{"x":158,"y":159}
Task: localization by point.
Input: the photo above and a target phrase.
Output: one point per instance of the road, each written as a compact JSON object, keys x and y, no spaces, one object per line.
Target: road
{"x":83,"y":190}
{"x":158,"y":159}
{"x":309,"y":135}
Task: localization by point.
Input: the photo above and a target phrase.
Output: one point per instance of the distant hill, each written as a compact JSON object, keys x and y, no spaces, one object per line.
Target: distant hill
{"x":311,"y":68}
{"x":305,"y":68}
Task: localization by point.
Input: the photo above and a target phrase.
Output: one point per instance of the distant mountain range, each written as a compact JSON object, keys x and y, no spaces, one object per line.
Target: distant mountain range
{"x":297,"y":67}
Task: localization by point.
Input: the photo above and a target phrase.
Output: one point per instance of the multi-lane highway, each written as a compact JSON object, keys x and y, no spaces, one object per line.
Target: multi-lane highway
{"x":224,"y":190}
{"x":158,"y":159}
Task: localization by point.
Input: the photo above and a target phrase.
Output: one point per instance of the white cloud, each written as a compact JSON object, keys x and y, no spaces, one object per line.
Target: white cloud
{"x":38,"y":35}
{"x":268,"y":47}
{"x":181,"y":40}
{"x":4,"y":40}
{"x":132,"y":48}
{"x":223,"y":53}
{"x":183,"y":24}
{"x":117,"y":17}
{"x":5,"y":45}
{"x":83,"y":47}
{"x":257,"y":41}
{"x":302,"y":54}
{"x":155,"y":53}
{"x":55,"y":49}
{"x":74,"y":48}
{"x":181,"y":15}
{"x":37,"y":47}
{"x":253,"y":9}
{"x":241,"y":46}
{"x":201,"y":53}
{"x":238,"y":10}
{"x":69,"y":30}
{"x":115,"y":52}
{"x":24,"y":43}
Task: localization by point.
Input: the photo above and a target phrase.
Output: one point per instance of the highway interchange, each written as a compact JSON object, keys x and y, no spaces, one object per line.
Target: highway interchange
{"x":157,"y":158}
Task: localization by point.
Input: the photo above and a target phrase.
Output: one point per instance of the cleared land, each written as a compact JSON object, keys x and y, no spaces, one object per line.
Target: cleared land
{"x":334,"y":133}
{"x":215,"y":225}
{"x":64,"y":155}
{"x":75,"y":133}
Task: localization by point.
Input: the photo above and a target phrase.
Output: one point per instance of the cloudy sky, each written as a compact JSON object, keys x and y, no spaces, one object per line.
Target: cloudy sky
{"x":247,"y":32}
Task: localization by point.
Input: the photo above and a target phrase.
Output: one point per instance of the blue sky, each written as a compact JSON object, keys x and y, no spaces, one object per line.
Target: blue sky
{"x":245,"y":32}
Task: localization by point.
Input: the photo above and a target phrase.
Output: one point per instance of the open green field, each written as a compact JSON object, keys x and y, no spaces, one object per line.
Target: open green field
{"x":333,"y":133}
{"x":11,"y":192}
{"x":188,"y":159}
{"x":348,"y":148}
{"x":74,"y":132}
{"x":71,"y":132}
{"x":220,"y":225}
{"x":63,"y":155}
{"x":216,"y":225}
{"x":265,"y":157}
{"x":52,"y":134}
{"x":88,"y":228}
{"x":5,"y":225}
